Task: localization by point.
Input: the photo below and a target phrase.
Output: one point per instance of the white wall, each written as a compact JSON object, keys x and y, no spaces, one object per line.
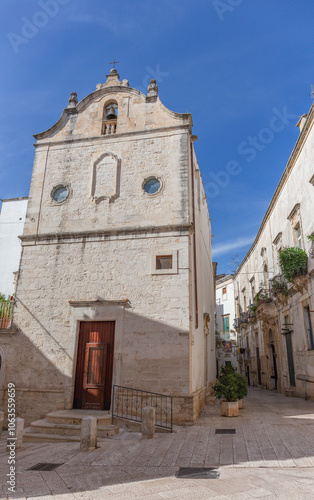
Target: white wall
{"x":12,"y":218}
{"x":225,"y":304}
{"x":292,"y":203}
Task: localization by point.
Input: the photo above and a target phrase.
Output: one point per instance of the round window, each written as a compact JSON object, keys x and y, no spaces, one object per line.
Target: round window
{"x":152,"y":185}
{"x":60,"y":193}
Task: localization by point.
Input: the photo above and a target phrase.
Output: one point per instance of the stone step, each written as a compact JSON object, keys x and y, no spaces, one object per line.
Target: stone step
{"x":32,"y":435}
{"x":35,"y":437}
{"x":74,"y":417}
{"x":45,"y":427}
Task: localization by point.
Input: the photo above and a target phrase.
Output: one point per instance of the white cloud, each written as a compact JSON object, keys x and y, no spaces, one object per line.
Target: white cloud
{"x":227,"y":246}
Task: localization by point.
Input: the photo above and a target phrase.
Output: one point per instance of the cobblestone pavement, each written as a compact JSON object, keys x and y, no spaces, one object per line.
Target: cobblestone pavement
{"x":270,"y":456}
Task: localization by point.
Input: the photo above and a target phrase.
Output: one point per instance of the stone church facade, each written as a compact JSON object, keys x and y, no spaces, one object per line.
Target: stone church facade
{"x":116,"y":273}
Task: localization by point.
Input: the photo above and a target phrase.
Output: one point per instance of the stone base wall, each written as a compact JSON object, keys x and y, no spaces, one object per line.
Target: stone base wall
{"x":32,"y":405}
{"x":186,"y":409}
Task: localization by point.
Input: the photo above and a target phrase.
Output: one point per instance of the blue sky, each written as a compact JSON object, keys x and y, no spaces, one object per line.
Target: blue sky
{"x":242,"y":68}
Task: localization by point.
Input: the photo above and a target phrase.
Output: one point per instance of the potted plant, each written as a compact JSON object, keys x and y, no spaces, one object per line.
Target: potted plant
{"x":227,"y":388}
{"x":241,"y":387}
{"x":279,"y":288}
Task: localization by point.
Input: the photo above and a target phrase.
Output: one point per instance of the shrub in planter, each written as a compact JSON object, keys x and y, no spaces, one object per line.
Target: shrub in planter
{"x":293,"y":262}
{"x":226,"y":370}
{"x":241,"y":385}
{"x":227,"y":388}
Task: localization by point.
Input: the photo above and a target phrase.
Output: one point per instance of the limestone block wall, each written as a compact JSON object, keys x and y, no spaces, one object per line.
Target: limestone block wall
{"x":155,"y":350}
{"x":163,"y":156}
{"x":203,"y":365}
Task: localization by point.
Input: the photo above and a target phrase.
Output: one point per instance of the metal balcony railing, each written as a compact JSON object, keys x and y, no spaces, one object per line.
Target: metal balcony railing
{"x":236,"y":323}
{"x":243,"y":318}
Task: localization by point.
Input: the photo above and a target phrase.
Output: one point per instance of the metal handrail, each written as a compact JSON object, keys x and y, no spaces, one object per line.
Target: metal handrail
{"x":128,"y":403}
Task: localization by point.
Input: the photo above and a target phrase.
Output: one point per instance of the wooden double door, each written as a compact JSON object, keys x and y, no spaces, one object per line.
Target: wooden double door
{"x":94,"y":366}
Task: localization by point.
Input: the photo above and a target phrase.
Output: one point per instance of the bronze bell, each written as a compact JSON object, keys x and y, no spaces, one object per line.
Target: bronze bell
{"x":111,"y":115}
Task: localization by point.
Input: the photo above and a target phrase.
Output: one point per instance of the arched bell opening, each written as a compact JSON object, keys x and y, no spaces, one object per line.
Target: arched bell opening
{"x":110,"y":118}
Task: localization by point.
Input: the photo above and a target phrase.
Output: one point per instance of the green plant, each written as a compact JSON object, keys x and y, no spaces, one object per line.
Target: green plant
{"x":241,"y":385}
{"x":6,"y":307}
{"x":311,"y":237}
{"x":227,"y":388}
{"x":226,"y":370}
{"x":261,"y":296}
{"x":279,"y":287}
{"x":293,"y":262}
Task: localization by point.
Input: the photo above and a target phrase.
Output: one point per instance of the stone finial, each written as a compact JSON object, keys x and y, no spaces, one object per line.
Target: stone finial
{"x":112,"y":79}
{"x":152,"y":88}
{"x":73,"y":100}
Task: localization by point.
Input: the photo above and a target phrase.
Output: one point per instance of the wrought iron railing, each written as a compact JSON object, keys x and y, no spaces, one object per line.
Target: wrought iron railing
{"x":243,"y":318}
{"x":236,"y":323}
{"x":128,"y":404}
{"x":6,"y":313}
{"x":277,"y":284}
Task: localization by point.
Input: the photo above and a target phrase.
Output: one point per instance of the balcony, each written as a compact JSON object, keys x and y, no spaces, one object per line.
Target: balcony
{"x":264,"y":306}
{"x":244,"y":318}
{"x":236,"y":324}
{"x":251,"y":314}
{"x":279,"y":289}
{"x":6,"y":312}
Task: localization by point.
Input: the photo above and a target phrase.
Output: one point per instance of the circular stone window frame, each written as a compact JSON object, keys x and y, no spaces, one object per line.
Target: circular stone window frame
{"x":159,"y":179}
{"x":55,"y":188}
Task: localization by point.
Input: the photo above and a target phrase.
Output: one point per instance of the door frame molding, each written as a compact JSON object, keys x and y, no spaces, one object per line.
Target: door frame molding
{"x":95,"y":310}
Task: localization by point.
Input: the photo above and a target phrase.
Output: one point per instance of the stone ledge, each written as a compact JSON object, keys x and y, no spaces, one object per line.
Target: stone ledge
{"x":105,"y":235}
{"x":306,"y":378}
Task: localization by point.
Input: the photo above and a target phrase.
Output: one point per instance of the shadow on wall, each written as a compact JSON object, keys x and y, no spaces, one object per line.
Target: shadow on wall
{"x":40,"y":360}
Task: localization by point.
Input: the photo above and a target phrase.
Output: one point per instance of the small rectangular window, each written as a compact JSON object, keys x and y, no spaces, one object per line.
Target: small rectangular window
{"x":164,"y":262}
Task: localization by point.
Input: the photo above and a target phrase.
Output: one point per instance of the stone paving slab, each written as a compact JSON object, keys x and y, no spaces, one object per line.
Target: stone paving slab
{"x":270,"y":456}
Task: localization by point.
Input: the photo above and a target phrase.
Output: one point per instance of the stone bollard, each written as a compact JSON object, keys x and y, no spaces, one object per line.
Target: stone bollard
{"x":88,"y":434}
{"x":19,"y":429}
{"x":1,"y":422}
{"x":148,"y":422}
